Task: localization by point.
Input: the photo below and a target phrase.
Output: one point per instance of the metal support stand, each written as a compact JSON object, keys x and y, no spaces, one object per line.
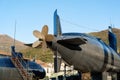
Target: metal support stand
{"x":65,"y":72}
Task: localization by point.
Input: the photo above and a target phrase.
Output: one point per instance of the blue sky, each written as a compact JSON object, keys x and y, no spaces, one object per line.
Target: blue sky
{"x":76,"y":16}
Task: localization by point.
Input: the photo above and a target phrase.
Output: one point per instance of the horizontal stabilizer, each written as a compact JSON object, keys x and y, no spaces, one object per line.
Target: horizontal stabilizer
{"x":73,"y":41}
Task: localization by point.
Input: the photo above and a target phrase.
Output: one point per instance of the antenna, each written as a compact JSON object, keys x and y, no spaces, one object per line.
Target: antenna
{"x":14,"y":33}
{"x":111,"y":22}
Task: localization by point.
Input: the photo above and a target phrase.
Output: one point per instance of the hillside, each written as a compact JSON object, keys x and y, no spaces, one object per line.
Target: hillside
{"x":45,"y":55}
{"x":104,"y":36}
{"x":5,"y":48}
{"x":6,"y":42}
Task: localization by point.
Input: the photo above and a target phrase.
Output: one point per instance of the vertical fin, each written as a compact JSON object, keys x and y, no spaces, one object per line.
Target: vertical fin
{"x":57,"y":25}
{"x":57,"y":32}
{"x":112,"y":39}
{"x":57,"y":62}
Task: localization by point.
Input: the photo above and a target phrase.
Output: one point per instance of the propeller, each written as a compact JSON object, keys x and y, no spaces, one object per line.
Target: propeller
{"x":43,"y":37}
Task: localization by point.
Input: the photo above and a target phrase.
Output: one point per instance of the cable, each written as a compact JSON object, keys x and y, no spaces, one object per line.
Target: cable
{"x":77,"y":25}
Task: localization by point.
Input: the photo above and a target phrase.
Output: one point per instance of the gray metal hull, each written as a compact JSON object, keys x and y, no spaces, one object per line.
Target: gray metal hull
{"x":9,"y":74}
{"x":93,"y":56}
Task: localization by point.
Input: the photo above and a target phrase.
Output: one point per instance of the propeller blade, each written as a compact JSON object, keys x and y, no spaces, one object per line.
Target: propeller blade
{"x":42,"y":36}
{"x":49,"y":37}
{"x":44,"y":45}
{"x":37,"y":34}
{"x":37,"y":43}
{"x":44,"y":30}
